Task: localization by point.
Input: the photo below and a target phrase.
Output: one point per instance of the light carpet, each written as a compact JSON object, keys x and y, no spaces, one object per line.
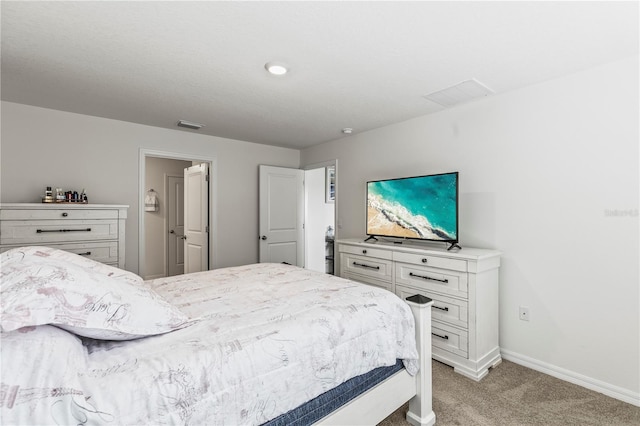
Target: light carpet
{"x":515,"y":395}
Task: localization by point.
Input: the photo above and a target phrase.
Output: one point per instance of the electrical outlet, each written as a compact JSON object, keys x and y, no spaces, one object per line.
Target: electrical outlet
{"x":524,"y":313}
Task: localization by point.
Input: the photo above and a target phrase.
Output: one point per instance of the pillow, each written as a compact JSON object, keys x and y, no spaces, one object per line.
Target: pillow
{"x":43,"y":285}
{"x":85,"y":262}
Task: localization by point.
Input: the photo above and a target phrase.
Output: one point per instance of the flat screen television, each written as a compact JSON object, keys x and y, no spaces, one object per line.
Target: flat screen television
{"x":418,"y":207}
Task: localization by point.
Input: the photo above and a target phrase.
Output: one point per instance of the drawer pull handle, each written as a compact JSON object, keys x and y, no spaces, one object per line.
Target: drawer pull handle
{"x":40,"y":231}
{"x":424,"y":277}
{"x":88,"y":253}
{"x":65,"y":214}
{"x":446,"y":308}
{"x":424,"y":260}
{"x":366,"y":266}
{"x":445,"y":337}
{"x":364,"y":252}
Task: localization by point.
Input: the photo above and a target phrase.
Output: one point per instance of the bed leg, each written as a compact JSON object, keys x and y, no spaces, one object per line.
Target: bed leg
{"x":420,"y":406}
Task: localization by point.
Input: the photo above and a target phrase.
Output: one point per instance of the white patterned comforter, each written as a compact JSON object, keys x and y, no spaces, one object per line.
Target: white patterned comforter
{"x":268,"y":337}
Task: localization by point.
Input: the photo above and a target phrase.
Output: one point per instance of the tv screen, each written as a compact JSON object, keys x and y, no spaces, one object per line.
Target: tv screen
{"x":420,"y":207}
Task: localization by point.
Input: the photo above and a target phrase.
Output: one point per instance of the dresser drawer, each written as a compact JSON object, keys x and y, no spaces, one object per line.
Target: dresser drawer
{"x":449,"y":339}
{"x":57,"y":214}
{"x":366,"y":266}
{"x":387,"y":285}
{"x":446,"y":309}
{"x":105,"y":252}
{"x":433,"y":261}
{"x":432,"y":279}
{"x":29,"y":232}
{"x":365,"y":251}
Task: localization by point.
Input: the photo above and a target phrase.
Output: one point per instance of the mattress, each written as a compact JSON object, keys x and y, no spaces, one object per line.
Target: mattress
{"x":323,"y":405}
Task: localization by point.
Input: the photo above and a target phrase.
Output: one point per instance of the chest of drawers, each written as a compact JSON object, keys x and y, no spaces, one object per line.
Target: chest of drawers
{"x":462,"y":284}
{"x":96,"y":231}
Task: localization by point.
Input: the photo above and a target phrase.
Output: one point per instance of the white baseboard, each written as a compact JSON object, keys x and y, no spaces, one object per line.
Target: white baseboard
{"x":608,"y":389}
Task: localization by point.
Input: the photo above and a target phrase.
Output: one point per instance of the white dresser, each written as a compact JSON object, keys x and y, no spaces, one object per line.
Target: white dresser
{"x":463,"y":285}
{"x":96,"y":231}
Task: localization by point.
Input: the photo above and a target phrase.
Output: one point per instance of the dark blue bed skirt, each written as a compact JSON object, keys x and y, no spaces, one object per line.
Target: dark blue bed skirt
{"x":335,"y":398}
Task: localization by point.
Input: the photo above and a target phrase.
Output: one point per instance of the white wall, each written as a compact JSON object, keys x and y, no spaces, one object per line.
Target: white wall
{"x":43,"y":147}
{"x":541,"y":171}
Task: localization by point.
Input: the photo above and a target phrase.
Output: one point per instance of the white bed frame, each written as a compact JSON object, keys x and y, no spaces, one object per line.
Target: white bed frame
{"x":379,"y":402}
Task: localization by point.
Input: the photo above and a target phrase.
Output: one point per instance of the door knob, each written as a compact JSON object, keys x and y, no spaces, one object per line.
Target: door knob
{"x":172,"y":232}
{"x":264,"y":237}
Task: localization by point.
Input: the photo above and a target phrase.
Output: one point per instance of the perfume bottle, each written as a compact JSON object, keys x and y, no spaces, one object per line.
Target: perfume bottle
{"x":48,"y":195}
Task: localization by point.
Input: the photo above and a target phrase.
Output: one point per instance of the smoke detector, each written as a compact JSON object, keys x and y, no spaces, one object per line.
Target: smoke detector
{"x":189,"y":125}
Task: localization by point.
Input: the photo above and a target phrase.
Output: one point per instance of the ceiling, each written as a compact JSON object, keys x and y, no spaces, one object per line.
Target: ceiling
{"x":360,"y":64}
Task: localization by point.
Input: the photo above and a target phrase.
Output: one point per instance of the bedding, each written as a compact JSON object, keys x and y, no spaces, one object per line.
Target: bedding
{"x":259,"y":341}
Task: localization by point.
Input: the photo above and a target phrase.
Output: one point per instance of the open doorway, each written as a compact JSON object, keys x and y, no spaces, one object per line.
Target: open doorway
{"x":161,"y":229}
{"x":320,"y":213}
{"x":164,"y":217}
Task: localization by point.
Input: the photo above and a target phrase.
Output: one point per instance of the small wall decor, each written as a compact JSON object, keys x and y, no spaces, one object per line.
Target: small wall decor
{"x":151,"y":202}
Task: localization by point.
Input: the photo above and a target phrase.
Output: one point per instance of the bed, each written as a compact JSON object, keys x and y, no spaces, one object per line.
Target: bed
{"x":86,"y":343}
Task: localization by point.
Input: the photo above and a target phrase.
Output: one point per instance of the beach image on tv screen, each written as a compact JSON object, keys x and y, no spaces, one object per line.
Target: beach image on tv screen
{"x":421,"y":207}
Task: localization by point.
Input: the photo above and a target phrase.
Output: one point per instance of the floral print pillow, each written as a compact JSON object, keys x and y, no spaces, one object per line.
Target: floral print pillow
{"x":43,"y":285}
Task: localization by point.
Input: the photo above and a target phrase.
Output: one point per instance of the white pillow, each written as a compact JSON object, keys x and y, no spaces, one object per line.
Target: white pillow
{"x":43,"y":285}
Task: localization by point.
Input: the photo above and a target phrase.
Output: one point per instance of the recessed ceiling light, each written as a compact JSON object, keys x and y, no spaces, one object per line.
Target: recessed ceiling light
{"x":347,"y":130}
{"x":276,"y":68}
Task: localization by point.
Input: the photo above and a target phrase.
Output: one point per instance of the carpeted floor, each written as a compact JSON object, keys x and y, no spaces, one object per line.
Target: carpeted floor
{"x":515,"y":395}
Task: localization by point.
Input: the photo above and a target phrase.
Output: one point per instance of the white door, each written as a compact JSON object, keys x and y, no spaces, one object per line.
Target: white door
{"x":196,"y":218}
{"x":175,"y":223}
{"x":281,"y":215}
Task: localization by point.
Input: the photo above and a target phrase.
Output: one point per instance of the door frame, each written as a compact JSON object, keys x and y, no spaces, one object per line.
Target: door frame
{"x":213,"y":190}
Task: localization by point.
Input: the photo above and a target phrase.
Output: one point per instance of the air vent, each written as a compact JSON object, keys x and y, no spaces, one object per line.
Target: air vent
{"x":190,"y":125}
{"x":462,"y":92}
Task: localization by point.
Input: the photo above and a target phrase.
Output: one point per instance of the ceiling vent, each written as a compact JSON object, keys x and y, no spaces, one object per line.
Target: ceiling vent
{"x":462,"y":92}
{"x":190,"y":125}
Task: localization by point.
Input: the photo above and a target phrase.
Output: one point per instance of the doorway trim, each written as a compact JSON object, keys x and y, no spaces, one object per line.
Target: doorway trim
{"x":213,"y":190}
